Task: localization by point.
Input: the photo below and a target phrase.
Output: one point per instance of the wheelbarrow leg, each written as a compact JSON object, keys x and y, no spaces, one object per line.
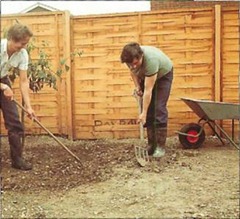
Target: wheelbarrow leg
{"x":222,"y":131}
{"x":211,"y":126}
{"x":233,"y":129}
{"x":228,"y":137}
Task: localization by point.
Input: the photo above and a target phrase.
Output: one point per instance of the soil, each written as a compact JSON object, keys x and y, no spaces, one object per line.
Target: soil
{"x":199,"y":183}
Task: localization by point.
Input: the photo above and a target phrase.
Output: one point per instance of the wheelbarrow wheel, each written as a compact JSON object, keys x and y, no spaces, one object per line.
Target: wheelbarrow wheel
{"x":187,"y":140}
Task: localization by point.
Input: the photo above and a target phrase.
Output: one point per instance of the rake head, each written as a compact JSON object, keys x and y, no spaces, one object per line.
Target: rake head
{"x":141,"y":155}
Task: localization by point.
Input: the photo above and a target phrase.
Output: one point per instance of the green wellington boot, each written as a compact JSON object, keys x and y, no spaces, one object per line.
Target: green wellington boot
{"x":161,"y":136}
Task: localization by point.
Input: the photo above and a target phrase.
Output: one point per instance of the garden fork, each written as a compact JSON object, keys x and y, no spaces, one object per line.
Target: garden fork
{"x":141,"y":153}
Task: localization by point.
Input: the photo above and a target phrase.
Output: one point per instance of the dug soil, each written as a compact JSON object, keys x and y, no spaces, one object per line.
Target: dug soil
{"x":109,"y":183}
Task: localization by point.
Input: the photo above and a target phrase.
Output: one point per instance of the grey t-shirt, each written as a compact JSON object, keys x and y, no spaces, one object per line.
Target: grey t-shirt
{"x":154,"y":61}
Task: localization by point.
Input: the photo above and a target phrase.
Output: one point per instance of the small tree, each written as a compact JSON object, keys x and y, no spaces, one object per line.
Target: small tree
{"x":40,"y":71}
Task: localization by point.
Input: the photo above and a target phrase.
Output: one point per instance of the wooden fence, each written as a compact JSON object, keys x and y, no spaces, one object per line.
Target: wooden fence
{"x":95,"y":99}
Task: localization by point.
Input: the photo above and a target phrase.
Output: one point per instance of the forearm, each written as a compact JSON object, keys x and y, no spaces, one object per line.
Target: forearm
{"x":147,"y":96}
{"x":24,"y":87}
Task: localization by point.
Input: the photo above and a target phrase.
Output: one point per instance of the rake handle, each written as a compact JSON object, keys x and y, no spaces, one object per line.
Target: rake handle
{"x":50,"y":133}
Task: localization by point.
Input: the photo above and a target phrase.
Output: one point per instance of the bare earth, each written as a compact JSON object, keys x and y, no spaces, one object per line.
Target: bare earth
{"x":201,"y":183}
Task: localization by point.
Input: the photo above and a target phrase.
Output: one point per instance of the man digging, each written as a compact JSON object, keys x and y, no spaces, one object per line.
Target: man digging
{"x":152,"y":74}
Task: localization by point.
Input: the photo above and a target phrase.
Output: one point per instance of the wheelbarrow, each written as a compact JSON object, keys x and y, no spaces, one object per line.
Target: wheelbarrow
{"x":192,"y":135}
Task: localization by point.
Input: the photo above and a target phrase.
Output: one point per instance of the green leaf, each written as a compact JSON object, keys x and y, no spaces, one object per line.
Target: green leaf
{"x":67,"y":68}
{"x":63,"y":61}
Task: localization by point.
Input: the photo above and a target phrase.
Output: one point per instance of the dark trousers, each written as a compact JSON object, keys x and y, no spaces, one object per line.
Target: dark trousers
{"x":12,"y":122}
{"x":10,"y":112}
{"x":157,"y":114}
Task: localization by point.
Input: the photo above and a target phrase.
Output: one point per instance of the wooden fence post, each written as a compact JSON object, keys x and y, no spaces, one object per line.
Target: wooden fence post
{"x":218,"y":61}
{"x":67,"y":53}
{"x":217,"y":72}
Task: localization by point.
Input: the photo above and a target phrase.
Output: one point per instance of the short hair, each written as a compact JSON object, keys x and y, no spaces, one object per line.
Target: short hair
{"x":130,"y":52}
{"x":18,"y":32}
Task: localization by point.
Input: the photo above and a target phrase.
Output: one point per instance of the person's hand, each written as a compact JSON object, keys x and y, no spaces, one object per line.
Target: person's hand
{"x":31,"y":113}
{"x":8,"y":93}
{"x":142,"y":118}
{"x":138,"y":92}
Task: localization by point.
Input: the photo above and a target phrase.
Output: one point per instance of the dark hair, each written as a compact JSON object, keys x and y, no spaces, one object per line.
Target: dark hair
{"x":130,"y":52}
{"x":18,"y":32}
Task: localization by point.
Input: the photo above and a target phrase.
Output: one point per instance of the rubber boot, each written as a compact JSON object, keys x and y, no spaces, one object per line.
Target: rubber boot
{"x":151,"y":140}
{"x":16,"y":152}
{"x":161,"y":136}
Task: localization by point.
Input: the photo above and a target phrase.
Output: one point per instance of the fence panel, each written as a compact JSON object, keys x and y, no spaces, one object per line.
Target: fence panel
{"x":103,"y":102}
{"x":230,"y":61}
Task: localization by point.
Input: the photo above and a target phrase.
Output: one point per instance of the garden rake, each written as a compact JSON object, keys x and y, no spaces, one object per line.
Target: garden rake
{"x":56,"y":139}
{"x":141,"y":153}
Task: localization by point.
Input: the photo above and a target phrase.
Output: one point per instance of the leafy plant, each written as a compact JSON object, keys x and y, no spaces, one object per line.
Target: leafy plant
{"x":40,"y":71}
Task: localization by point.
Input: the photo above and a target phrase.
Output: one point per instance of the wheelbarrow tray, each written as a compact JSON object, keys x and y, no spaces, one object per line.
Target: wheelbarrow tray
{"x":211,"y":110}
